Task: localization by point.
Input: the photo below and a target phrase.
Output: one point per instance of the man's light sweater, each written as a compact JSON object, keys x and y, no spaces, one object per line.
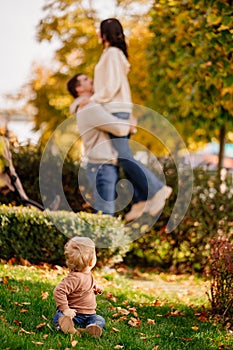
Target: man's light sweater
{"x":94,"y":124}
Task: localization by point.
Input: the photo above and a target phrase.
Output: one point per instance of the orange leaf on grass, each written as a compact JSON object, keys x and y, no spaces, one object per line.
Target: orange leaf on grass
{"x":41,"y":325}
{"x":37,"y":342}
{"x":111,"y":297}
{"x":123,"y":318}
{"x":194,"y":328}
{"x":115,"y":330}
{"x":74,"y":343}
{"x":174,"y":313}
{"x":44,"y":295}
{"x":149,"y":321}
{"x":23,"y":310}
{"x":134,"y":322}
{"x":17,"y":322}
{"x":26,"y":332}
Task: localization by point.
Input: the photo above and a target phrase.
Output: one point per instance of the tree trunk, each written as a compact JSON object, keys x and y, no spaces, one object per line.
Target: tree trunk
{"x":222,"y":142}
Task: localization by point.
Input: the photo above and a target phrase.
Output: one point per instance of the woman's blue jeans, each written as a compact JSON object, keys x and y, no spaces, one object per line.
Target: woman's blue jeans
{"x":103,"y":179}
{"x":82,"y":320}
{"x":145,"y":183}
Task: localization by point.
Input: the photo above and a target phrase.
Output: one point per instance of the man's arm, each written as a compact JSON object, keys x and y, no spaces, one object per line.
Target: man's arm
{"x":97,"y":117}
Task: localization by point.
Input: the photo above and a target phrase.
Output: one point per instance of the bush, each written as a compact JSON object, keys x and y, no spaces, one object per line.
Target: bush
{"x":26,"y":160}
{"x":187,"y":248}
{"x":221,"y":274}
{"x":40,"y":236}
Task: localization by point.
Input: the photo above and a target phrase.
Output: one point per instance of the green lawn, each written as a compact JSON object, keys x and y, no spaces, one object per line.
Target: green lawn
{"x":142,"y":311}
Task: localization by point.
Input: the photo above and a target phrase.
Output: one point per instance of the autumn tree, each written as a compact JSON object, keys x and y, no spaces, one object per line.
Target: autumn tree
{"x":192,"y":67}
{"x":73,"y":24}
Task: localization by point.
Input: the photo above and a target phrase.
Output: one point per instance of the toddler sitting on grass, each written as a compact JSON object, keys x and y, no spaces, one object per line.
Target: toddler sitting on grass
{"x":75,"y":296}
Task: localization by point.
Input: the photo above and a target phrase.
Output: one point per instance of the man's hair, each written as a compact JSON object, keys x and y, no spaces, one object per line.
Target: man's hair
{"x":79,"y":251}
{"x":72,"y":84}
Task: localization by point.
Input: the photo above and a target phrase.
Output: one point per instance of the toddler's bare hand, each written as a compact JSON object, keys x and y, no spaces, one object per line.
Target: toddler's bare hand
{"x":98,"y":289}
{"x":69,"y":313}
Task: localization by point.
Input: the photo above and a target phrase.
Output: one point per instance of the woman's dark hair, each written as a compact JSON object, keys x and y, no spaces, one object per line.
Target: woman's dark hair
{"x":111,"y":30}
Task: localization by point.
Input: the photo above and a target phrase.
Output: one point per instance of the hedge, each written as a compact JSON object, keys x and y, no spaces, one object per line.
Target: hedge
{"x":40,"y":236}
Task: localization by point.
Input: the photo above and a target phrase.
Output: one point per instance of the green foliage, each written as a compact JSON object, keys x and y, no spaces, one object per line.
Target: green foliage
{"x":26,"y":160}
{"x":73,"y":25}
{"x":187,"y":248}
{"x":220,"y":270}
{"x":191,"y":65}
{"x":40,"y":236}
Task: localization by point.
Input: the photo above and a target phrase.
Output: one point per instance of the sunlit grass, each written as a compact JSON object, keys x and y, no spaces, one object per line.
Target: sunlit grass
{"x":143,"y":310}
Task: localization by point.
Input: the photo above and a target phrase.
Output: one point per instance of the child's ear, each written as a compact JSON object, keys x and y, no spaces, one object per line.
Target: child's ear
{"x":90,"y":262}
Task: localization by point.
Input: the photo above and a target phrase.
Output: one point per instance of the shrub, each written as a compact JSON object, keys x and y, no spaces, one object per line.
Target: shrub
{"x":40,"y":236}
{"x":187,"y":248}
{"x":221,"y":273}
{"x":26,"y":160}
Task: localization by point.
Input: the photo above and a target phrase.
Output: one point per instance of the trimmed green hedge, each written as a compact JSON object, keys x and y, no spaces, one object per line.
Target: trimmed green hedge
{"x":40,"y":236}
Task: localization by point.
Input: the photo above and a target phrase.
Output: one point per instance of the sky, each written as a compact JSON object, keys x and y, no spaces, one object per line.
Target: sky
{"x":19,"y":48}
{"x":18,"y":20}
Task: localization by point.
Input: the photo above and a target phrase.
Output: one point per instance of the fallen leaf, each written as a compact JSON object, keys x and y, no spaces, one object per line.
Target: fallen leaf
{"x":44,"y":317}
{"x":115,"y":330}
{"x":203,"y":318}
{"x":155,"y":347}
{"x":5,"y":280}
{"x":187,"y":339}
{"x":37,"y":342}
{"x":24,"y":331}
{"x":149,"y":321}
{"x":74,"y":343}
{"x":45,"y":336}
{"x":44,"y":295}
{"x":123,"y":311}
{"x":194,"y":328}
{"x":23,"y":310}
{"x":111,"y":297}
{"x":3,"y":319}
{"x":119,"y":347}
{"x":17,"y":322}
{"x":41,"y":325}
{"x":134,"y":322}
{"x":174,"y":313}
{"x":17,"y":304}
{"x":133,"y":311}
{"x":123,"y":318}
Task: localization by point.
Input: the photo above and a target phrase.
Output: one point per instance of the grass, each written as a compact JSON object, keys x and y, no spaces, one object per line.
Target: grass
{"x":142,"y":310}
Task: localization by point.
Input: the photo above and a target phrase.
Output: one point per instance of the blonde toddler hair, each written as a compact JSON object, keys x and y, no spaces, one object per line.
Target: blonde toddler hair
{"x":79,"y":251}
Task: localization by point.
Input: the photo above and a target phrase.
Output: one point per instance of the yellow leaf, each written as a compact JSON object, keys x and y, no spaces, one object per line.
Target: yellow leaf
{"x":74,"y":343}
{"x":149,"y":321}
{"x":40,"y":325}
{"x":134,"y":322}
{"x":194,"y":328}
{"x":44,"y":295}
{"x":115,"y":330}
